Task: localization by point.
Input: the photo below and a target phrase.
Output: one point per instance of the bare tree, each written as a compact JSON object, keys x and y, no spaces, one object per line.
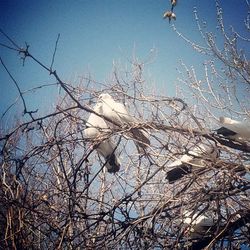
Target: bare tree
{"x":56,"y":191}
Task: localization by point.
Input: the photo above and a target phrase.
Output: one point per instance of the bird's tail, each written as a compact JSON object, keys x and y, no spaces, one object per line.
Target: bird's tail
{"x":225,"y":132}
{"x":113,"y":164}
{"x":178,"y":172}
{"x":141,"y":137}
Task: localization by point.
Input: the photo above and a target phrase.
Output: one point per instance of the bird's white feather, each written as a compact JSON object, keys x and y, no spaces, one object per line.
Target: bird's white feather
{"x":96,"y":127}
{"x":199,"y":223}
{"x":241,"y":128}
{"x":196,"y":157}
{"x":115,"y":111}
{"x":198,"y":153}
{"x":197,"y":220}
{"x":118,"y":114}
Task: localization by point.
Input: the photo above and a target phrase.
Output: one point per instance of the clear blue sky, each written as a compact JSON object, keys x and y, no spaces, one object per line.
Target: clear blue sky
{"x":96,"y":32}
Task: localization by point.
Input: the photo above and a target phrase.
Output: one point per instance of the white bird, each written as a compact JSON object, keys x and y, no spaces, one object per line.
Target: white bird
{"x":199,"y":223}
{"x":194,"y":158}
{"x":236,"y":130}
{"x":118,"y":114}
{"x":96,"y":127}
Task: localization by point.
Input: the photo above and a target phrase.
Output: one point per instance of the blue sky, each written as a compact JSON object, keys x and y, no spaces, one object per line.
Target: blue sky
{"x":94,"y":33}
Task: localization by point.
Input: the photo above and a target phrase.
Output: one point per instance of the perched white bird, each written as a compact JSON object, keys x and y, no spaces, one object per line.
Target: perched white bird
{"x":236,"y":130}
{"x":194,"y":158}
{"x":199,"y":223}
{"x":96,"y":126}
{"x":118,"y":114}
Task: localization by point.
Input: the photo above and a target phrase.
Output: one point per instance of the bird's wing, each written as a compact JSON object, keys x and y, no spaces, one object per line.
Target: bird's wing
{"x":122,"y":112}
{"x":96,"y":121}
{"x":95,"y":125}
{"x":109,"y":111}
{"x":118,"y":113}
{"x":139,"y":134}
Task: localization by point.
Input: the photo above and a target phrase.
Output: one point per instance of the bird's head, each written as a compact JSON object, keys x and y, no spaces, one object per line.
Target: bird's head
{"x":104,"y":96}
{"x":225,"y":120}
